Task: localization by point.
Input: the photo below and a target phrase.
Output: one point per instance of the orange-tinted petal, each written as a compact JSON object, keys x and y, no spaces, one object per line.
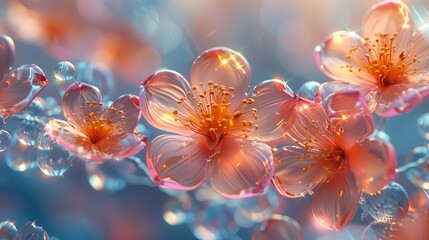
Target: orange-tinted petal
{"x":373,"y":162}
{"x":177,"y":162}
{"x":79,"y":101}
{"x":7,"y":54}
{"x":241,"y":168}
{"x":159,"y":96}
{"x":330,"y":57}
{"x":275,"y":103}
{"x":350,"y":117}
{"x":390,"y":17}
{"x":224,"y":67}
{"x":119,"y":147}
{"x":278,"y":227}
{"x":127,"y":113}
{"x":296,"y":172}
{"x":19,"y":87}
{"x":335,"y":201}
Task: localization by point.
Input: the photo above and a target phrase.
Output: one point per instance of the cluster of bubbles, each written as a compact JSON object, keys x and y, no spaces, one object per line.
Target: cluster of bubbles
{"x":8,"y":231}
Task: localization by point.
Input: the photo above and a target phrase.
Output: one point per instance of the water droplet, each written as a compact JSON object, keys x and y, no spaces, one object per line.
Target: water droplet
{"x":5,"y":140}
{"x":278,"y":227}
{"x":308,"y":90}
{"x":31,"y":231}
{"x":64,"y":71}
{"x":423,"y":125}
{"x":389,"y":205}
{"x":20,"y":157}
{"x":176,"y":210}
{"x":28,"y":131}
{"x":54,"y":162}
{"x":105,"y":176}
{"x":44,"y":142}
{"x":8,"y":231}
{"x":377,"y":231}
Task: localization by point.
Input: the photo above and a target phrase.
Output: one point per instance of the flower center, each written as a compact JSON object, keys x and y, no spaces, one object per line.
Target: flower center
{"x":379,"y":58}
{"x":97,"y":125}
{"x":209,"y":113}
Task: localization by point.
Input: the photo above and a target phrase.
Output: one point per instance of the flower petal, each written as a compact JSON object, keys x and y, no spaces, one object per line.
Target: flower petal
{"x":401,"y":98}
{"x":123,"y":146}
{"x":177,"y":162}
{"x":373,"y":162}
{"x":296,"y":172}
{"x":224,"y":67}
{"x":7,"y":54}
{"x":19,"y":87}
{"x":331,"y":58}
{"x":79,"y":101}
{"x":420,"y":47}
{"x":335,"y":201}
{"x":350,"y":117}
{"x":275,"y":103}
{"x":159,"y":96}
{"x":242,"y":168}
{"x":127,"y":112}
{"x":390,"y":17}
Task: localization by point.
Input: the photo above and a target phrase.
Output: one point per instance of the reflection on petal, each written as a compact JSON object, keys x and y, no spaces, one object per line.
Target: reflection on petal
{"x":127,"y":112}
{"x":373,"y":162}
{"x":7,"y":54}
{"x":278,"y":227}
{"x":335,"y":201}
{"x":159,"y":96}
{"x":224,"y":67}
{"x":242,"y":168}
{"x":177,"y":162}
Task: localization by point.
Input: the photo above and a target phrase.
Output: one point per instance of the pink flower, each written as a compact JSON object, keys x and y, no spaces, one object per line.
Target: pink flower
{"x":387,"y":63}
{"x":20,"y":86}
{"x":329,"y":148}
{"x":95,"y":132}
{"x":218,"y":125}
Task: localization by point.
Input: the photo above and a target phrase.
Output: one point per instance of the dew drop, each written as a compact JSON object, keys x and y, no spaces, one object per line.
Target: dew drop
{"x":27,"y":131}
{"x":308,"y":90}
{"x":54,"y":162}
{"x":20,"y":157}
{"x":278,"y":227}
{"x":30,"y":231}
{"x":389,"y":205}
{"x":5,"y":140}
{"x":64,"y":71}
{"x":8,"y":231}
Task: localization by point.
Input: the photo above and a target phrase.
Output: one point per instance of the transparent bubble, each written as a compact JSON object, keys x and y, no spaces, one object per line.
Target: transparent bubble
{"x":278,"y":227}
{"x":177,"y":210}
{"x":308,"y":90}
{"x":35,"y":110}
{"x":44,"y":142}
{"x":98,"y":76}
{"x":8,"y":231}
{"x":20,"y":157}
{"x":377,"y":231}
{"x":2,"y":121}
{"x":54,"y":162}
{"x":28,"y":131}
{"x":423,"y":125}
{"x":64,"y":71}
{"x":30,"y":231}
{"x":5,"y":140}
{"x":380,"y":134}
{"x":105,"y":176}
{"x":389,"y":205}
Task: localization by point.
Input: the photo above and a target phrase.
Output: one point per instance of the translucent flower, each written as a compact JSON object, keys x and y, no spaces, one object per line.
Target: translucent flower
{"x":329,"y":148}
{"x":93,"y":131}
{"x":220,"y":127}
{"x":387,"y":63}
{"x":20,"y":86}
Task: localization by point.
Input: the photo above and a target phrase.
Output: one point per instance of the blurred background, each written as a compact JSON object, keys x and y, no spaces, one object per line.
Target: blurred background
{"x":127,"y":40}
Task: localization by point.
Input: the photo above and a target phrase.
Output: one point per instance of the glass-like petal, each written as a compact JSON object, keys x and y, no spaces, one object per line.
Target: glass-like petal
{"x":7,"y":54}
{"x":401,"y":98}
{"x":332,"y":58}
{"x":19,"y":87}
{"x":241,"y":168}
{"x":159,"y":96}
{"x":373,"y":162}
{"x":126,"y":114}
{"x":390,"y":17}
{"x":224,"y":67}
{"x":119,"y":147}
{"x":275,"y":103}
{"x":350,"y":117}
{"x":420,"y":47}
{"x":328,"y":90}
{"x":335,"y":201}
{"x":79,"y":101}
{"x":296,"y":170}
{"x":177,"y":162}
